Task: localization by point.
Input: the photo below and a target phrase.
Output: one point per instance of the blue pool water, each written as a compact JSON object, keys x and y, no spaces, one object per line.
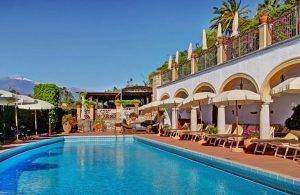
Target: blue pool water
{"x":115,"y":168}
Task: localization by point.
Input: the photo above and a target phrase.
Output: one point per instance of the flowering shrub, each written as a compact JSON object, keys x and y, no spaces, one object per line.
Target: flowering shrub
{"x":251,"y":132}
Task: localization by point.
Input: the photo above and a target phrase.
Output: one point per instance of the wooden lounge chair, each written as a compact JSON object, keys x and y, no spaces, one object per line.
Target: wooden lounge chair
{"x":261,"y":144}
{"x":292,"y":146}
{"x":216,"y":138}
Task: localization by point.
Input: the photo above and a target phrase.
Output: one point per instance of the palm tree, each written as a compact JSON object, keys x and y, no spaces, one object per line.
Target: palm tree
{"x":225,"y":14}
{"x":268,"y":5}
{"x":292,"y":2}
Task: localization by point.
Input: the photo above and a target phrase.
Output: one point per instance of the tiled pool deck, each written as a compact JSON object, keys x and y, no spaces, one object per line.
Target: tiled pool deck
{"x":267,"y":162}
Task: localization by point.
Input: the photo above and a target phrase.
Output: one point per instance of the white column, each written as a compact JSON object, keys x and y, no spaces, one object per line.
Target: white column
{"x":174,"y":118}
{"x":193,"y":67}
{"x":264,"y":124}
{"x":221,"y":119}
{"x":194,"y":119}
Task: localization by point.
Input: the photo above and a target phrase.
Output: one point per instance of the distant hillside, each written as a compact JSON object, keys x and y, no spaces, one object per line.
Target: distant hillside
{"x":25,"y":86}
{"x":18,"y":83}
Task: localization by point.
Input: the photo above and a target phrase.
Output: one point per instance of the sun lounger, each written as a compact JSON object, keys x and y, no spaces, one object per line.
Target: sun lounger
{"x":293,"y":146}
{"x":263,"y":143}
{"x":215,"y":139}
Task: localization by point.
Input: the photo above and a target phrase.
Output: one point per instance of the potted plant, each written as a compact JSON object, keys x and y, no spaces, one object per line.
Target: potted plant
{"x":195,"y":55}
{"x":99,"y":125}
{"x":251,"y":134}
{"x":136,"y":102}
{"x":92,"y":104}
{"x":118,"y":103}
{"x":133,"y":116}
{"x":263,"y":16}
{"x":67,"y":122}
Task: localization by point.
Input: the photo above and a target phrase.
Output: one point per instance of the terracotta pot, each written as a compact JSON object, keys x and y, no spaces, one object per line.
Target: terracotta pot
{"x":98,"y":127}
{"x":220,"y":40}
{"x":78,"y":106}
{"x":248,"y":145}
{"x":263,"y":19}
{"x":117,"y":104}
{"x":136,"y":104}
{"x":194,"y":55}
{"x":67,"y":128}
{"x":133,"y":118}
{"x":92,"y":106}
{"x":174,"y":65}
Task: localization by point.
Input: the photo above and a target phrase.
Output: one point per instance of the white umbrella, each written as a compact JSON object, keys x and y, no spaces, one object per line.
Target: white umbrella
{"x":204,"y":41}
{"x":291,"y":85}
{"x":7,"y":98}
{"x":170,"y":63}
{"x":177,"y":57}
{"x":153,"y":106}
{"x":236,"y":97}
{"x":190,"y":51}
{"x":202,"y":98}
{"x":171,"y":102}
{"x":219,"y":30}
{"x":39,"y":105}
{"x":197,"y":99}
{"x":23,"y":99}
{"x":235,"y":24}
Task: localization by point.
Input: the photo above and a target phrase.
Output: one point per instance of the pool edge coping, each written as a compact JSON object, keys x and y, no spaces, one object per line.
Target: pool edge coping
{"x":260,"y":171}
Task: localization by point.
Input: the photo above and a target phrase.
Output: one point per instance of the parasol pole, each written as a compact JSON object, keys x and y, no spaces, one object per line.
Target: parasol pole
{"x":236,"y":121}
{"x":200,"y":111}
{"x":16,"y":121}
{"x":35,"y":123}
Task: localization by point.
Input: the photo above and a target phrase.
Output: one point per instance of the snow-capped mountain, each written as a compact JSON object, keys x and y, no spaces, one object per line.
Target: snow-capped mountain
{"x":24,"y":85}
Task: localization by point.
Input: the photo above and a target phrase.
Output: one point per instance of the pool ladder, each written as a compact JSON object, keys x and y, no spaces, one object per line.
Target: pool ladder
{"x":116,"y":134}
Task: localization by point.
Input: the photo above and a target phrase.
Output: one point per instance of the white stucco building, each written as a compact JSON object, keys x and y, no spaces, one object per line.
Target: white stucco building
{"x":257,"y":61}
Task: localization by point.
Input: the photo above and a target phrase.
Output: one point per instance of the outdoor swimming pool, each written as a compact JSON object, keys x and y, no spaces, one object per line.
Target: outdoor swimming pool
{"x":83,"y":166}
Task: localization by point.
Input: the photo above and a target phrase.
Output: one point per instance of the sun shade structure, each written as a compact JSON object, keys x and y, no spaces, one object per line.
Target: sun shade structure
{"x":190,"y":51}
{"x":197,"y":99}
{"x":39,"y":105}
{"x":235,"y":25}
{"x":7,"y":98}
{"x":171,"y":102}
{"x":291,"y":85}
{"x":153,"y":106}
{"x":177,"y":57}
{"x":236,"y":97}
{"x":219,"y":34}
{"x":204,"y":40}
{"x":170,"y":63}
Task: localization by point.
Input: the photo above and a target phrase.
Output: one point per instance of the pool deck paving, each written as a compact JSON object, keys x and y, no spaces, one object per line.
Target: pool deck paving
{"x":267,"y":162}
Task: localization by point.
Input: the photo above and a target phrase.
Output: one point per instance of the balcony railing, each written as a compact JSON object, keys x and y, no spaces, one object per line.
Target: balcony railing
{"x":166,"y":76}
{"x":243,"y":44}
{"x":184,"y":70}
{"x":282,"y":28}
{"x":207,"y":59}
{"x":285,"y":26}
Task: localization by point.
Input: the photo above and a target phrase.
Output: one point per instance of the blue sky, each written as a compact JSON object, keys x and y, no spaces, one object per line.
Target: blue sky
{"x":97,"y":44}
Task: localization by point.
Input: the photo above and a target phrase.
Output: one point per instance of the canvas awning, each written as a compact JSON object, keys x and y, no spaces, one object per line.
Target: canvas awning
{"x":7,"y":98}
{"x":171,"y":102}
{"x":291,"y":85}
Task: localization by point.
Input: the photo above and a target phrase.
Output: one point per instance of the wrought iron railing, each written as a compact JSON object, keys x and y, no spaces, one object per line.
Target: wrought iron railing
{"x":243,"y":44}
{"x":206,"y":59}
{"x":284,"y":27}
{"x":166,"y":76}
{"x":184,"y":69}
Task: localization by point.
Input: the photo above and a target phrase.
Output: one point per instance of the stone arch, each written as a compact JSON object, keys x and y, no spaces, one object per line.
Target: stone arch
{"x":181,"y":93}
{"x":204,"y":87}
{"x":275,"y":74}
{"x":164,"y":96}
{"x":243,"y":78}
